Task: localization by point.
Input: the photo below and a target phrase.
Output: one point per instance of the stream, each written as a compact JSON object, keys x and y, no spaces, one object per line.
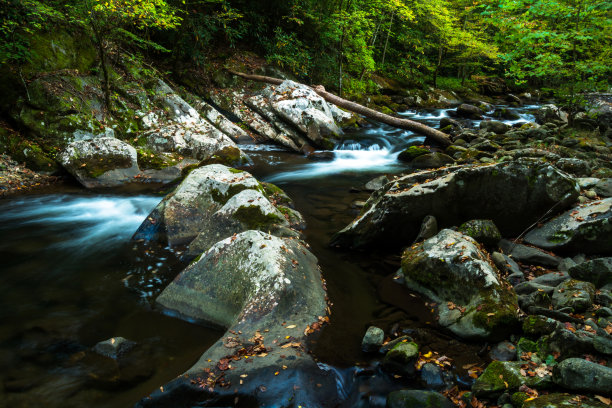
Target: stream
{"x":71,"y":278}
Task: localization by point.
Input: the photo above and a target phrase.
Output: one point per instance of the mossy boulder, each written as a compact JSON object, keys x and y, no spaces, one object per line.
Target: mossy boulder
{"x":454,"y":272}
{"x":483,"y":231}
{"x":586,"y":229}
{"x":432,"y":161}
{"x":401,"y":359}
{"x":558,"y":400}
{"x":412,"y":153}
{"x":505,"y":376}
{"x":267,"y":292}
{"x":100,"y":162}
{"x":417,"y":399}
{"x":212,"y":203}
{"x":511,"y":194}
{"x":577,"y":295}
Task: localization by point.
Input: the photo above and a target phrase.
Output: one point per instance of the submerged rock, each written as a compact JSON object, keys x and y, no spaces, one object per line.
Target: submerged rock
{"x":100,"y":162}
{"x":267,"y":291}
{"x":451,"y":270}
{"x":513,"y":195}
{"x":584,"y":229}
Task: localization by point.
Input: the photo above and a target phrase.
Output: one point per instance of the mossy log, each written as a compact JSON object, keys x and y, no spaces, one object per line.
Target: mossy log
{"x":407,"y":124}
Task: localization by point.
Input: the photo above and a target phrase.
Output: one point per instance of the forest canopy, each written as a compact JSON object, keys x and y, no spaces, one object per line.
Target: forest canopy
{"x":342,"y":44}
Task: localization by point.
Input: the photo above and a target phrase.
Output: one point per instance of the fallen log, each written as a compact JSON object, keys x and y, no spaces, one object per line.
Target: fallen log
{"x":433,"y":134}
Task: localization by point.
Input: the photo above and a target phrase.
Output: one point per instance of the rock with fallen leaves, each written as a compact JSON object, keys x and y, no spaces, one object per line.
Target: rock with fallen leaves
{"x":100,"y":162}
{"x":417,"y":399}
{"x":512,"y":194}
{"x":508,"y":376}
{"x":558,"y":400}
{"x":582,"y":375}
{"x":575,"y":294}
{"x":267,"y":291}
{"x":213,"y":203}
{"x":584,"y":229}
{"x":454,"y":272}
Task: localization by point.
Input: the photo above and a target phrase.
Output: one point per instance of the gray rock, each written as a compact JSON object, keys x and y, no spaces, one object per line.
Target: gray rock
{"x":469,"y":111}
{"x":552,"y":279}
{"x":417,"y":399}
{"x":528,"y":255}
{"x":114,"y":347}
{"x":582,"y":375}
{"x":444,"y":122}
{"x":301,"y":106}
{"x":432,"y":376}
{"x":550,"y":113}
{"x":603,"y":344}
{"x":574,"y":294}
{"x":494,"y":126}
{"x":587,"y":182}
{"x":500,"y":376}
{"x":576,"y":167}
{"x":431,"y":161}
{"x":213,"y":203}
{"x":451,"y":270}
{"x":376,"y":183}
{"x":483,"y":231}
{"x":429,"y":228}
{"x":539,"y":298}
{"x":100,"y":162}
{"x":373,"y":339}
{"x":586,"y":229}
{"x":504,"y":351}
{"x":597,"y":271}
{"x":604,"y":187}
{"x":263,"y":289}
{"x":526,"y":288}
{"x":562,"y":401}
{"x":401,"y":358}
{"x":513,"y":195}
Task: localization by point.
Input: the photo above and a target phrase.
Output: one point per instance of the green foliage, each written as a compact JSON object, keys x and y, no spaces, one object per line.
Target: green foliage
{"x":564,"y":43}
{"x":287,"y":51}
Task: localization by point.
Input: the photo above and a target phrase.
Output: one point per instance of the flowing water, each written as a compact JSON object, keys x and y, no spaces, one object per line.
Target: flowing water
{"x":71,"y":277}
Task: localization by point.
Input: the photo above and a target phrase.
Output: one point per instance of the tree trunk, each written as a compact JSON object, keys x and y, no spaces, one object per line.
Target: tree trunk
{"x":435,"y":135}
{"x":382,"y":64}
{"x":102,"y":56}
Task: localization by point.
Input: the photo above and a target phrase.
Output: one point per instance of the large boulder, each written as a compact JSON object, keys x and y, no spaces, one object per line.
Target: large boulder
{"x":303,"y":108}
{"x":214,"y":202}
{"x":550,"y":113}
{"x":586,"y":228}
{"x":582,"y":375}
{"x":469,"y":111}
{"x":597,"y":271}
{"x":513,"y":195}
{"x":268,"y":293}
{"x":454,"y":272}
{"x":100,"y":162}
